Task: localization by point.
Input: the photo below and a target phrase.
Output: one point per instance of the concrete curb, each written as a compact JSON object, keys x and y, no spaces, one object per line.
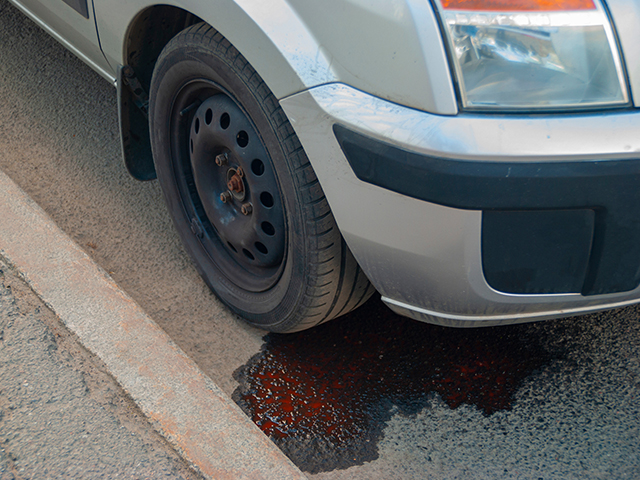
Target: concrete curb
{"x":194,"y":414}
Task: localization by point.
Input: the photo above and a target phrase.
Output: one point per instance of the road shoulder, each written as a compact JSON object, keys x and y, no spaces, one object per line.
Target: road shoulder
{"x":181,"y":402}
{"x":61,"y":414}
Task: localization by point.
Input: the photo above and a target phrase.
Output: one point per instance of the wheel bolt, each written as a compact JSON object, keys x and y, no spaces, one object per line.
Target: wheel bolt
{"x":222,"y":159}
{"x":240,"y":172}
{"x":225,"y":197}
{"x":247,"y":208}
{"x":235,"y":184}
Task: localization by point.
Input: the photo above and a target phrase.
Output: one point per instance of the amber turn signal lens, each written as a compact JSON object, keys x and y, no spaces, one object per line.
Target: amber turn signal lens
{"x":518,"y":5}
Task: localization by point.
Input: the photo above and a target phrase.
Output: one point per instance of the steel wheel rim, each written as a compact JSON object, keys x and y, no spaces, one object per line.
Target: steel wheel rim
{"x":249,"y":248}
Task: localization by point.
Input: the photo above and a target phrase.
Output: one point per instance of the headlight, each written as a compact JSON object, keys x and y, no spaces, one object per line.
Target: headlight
{"x":533,"y":54}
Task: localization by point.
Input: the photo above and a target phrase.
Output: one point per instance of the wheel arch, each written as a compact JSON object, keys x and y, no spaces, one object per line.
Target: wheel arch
{"x":270,"y":35}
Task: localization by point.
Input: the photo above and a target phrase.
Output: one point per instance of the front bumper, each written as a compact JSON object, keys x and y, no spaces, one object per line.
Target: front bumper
{"x":410,"y":198}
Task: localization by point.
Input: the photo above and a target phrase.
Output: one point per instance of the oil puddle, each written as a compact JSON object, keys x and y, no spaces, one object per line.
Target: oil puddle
{"x":324,"y":395}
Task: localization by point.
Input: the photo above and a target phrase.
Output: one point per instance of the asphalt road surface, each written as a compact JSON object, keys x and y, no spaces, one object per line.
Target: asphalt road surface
{"x":61,"y":414}
{"x":368,"y":396}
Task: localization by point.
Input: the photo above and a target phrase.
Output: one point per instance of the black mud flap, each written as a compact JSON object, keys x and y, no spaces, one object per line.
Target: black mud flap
{"x":134,"y":131}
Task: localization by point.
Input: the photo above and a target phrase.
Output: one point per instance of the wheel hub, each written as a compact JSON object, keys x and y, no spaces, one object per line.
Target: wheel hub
{"x":235,"y":184}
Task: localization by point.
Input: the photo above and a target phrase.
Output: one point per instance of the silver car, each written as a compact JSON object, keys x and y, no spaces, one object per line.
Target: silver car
{"x":477,"y":162}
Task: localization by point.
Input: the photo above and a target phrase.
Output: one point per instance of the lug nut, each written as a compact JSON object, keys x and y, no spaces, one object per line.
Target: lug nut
{"x":247,"y":208}
{"x":225,"y":197}
{"x":222,"y":159}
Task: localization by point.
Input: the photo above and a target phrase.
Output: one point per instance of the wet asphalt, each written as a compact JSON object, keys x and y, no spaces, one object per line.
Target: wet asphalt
{"x":400,"y":399}
{"x":370,"y":396}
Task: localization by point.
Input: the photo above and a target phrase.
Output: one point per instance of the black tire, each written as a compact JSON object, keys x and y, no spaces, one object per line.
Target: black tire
{"x":283,"y":266}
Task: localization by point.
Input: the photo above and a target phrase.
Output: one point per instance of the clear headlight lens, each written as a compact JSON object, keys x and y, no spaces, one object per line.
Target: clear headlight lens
{"x":540,"y":54}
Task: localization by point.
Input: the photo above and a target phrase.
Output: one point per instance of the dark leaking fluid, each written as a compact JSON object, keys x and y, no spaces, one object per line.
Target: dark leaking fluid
{"x":324,"y":395}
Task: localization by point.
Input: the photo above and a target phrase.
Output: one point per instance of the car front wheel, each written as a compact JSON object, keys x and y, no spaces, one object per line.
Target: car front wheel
{"x":242,"y":193}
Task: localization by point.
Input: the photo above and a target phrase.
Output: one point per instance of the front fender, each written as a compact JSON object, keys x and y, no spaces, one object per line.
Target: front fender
{"x":270,"y":35}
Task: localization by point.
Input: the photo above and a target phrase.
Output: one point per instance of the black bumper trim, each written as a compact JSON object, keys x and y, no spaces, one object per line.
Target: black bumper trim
{"x":610,"y":187}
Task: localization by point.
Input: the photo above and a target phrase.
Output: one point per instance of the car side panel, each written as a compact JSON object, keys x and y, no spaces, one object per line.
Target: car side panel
{"x":71,"y":24}
{"x":295,"y":46}
{"x":391,"y":49}
{"x":269,"y":34}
